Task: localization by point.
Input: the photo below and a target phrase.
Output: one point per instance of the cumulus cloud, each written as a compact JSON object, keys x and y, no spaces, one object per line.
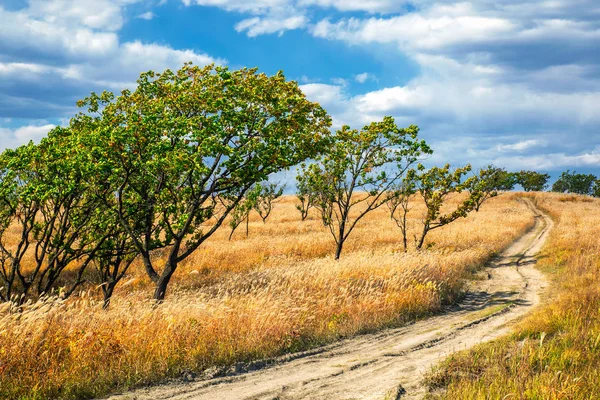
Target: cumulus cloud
{"x":511,"y":82}
{"x":12,"y":137}
{"x":53,"y":52}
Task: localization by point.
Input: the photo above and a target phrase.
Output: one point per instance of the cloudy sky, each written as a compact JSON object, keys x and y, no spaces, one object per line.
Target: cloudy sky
{"x":514,"y":83}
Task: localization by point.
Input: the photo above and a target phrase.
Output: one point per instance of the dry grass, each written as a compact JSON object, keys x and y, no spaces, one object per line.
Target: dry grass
{"x":554,"y":353}
{"x":275,"y":292}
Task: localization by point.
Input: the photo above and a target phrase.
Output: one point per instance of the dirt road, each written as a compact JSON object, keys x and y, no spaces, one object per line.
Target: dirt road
{"x":389,"y":364}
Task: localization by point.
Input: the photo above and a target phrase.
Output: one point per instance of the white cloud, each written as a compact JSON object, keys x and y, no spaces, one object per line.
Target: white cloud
{"x":362,"y":78}
{"x":12,"y":137}
{"x":259,"y":26}
{"x":520,"y":146}
{"x":93,"y":14}
{"x":55,"y":51}
{"x":370,"y":6}
{"x":251,"y":6}
{"x":428,"y":31}
{"x":148,"y":15}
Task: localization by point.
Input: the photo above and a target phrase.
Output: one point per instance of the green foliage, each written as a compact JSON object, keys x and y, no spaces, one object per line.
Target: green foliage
{"x":532,"y":181}
{"x":44,"y":195}
{"x":399,"y":205}
{"x":268,"y":194}
{"x":359,"y":169}
{"x":596,"y":188}
{"x":304,"y":193}
{"x":490,"y":182}
{"x":434,"y":186}
{"x":572,"y":182}
{"x":183,"y":149}
{"x":259,"y":198}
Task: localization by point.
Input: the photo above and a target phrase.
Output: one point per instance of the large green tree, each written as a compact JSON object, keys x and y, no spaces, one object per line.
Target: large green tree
{"x":572,"y":182}
{"x":355,"y":176}
{"x":181,"y":151}
{"x":532,"y":181}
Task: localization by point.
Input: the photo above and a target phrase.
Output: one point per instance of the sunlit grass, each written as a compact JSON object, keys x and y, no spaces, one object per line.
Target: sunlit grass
{"x":555,"y":352}
{"x":277,"y":291}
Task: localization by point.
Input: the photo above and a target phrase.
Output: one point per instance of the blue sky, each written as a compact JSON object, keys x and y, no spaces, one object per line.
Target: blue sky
{"x":514,"y":83}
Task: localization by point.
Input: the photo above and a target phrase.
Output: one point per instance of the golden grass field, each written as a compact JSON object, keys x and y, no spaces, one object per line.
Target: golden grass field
{"x":277,"y":291}
{"x":555,"y":352}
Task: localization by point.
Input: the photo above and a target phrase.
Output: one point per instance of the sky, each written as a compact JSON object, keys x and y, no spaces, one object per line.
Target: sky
{"x":512,"y":83}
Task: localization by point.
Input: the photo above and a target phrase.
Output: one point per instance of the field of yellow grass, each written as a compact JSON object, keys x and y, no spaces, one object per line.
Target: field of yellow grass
{"x":555,"y":352}
{"x":275,"y":292}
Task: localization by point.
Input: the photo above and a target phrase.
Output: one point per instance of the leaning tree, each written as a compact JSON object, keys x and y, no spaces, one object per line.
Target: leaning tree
{"x":490,"y":182}
{"x":532,"y":181}
{"x":355,"y":176}
{"x":435,"y":186}
{"x":181,"y":150}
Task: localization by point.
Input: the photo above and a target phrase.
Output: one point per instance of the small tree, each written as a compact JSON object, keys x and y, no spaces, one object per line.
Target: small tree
{"x":241,"y":213}
{"x":532,"y":181}
{"x":572,"y":182}
{"x":268,"y":194}
{"x":434,"y":186}
{"x":490,"y":182}
{"x":182,"y":150}
{"x":358,"y":172}
{"x":399,"y":206}
{"x":304,"y":193}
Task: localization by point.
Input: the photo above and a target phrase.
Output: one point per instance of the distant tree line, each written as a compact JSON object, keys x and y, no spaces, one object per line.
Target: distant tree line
{"x":151,"y":174}
{"x":572,"y":182}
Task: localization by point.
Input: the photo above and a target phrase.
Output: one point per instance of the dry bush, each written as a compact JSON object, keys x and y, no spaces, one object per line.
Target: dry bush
{"x":275,"y":292}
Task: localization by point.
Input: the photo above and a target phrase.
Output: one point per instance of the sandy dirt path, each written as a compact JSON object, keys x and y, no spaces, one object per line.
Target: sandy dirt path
{"x":389,"y":364}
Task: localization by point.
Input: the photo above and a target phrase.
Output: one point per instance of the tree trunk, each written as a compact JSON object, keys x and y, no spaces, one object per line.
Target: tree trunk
{"x":338,"y":250}
{"x":161,"y":285}
{"x":422,"y":240}
{"x":247,"y":222}
{"x":165,"y":277}
{"x":108,"y":292}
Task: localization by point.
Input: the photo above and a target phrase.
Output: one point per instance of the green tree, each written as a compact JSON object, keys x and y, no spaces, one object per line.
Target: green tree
{"x":490,"y":182}
{"x":182,"y":150}
{"x":572,"y":182}
{"x":44,"y":195}
{"x":596,"y":188}
{"x":434,"y":186}
{"x":268,"y":194}
{"x":532,"y":181}
{"x":399,"y":205}
{"x":358,"y":172}
{"x":304,"y":193}
{"x":241,"y":212}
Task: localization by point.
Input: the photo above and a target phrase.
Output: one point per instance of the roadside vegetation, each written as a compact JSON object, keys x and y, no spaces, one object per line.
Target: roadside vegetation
{"x":555,"y":352}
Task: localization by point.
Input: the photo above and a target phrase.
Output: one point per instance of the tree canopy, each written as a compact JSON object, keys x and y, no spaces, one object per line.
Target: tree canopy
{"x":358,"y":171}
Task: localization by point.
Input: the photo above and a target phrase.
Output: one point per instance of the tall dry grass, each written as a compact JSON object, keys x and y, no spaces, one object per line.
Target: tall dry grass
{"x":554,"y":353}
{"x":275,"y":292}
